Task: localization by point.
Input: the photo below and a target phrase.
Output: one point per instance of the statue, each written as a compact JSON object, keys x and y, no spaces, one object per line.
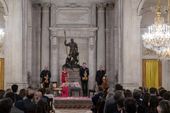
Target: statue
{"x":72,"y":60}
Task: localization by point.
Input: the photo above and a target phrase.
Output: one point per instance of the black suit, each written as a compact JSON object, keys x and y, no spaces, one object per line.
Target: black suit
{"x":84,"y":82}
{"x":42,"y":76}
{"x":99,"y":76}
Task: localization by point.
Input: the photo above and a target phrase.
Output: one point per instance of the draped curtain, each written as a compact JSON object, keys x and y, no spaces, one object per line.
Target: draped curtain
{"x":151,"y":74}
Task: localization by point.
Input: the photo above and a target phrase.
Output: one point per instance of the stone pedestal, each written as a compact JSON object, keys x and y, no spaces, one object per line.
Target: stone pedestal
{"x":74,"y":75}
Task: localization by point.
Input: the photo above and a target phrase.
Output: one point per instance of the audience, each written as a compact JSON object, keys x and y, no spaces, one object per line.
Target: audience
{"x":163,"y":107}
{"x":5,"y":105}
{"x":141,"y":100}
{"x":106,"y":100}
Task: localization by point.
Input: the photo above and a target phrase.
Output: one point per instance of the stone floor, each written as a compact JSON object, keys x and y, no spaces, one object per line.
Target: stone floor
{"x":72,"y":111}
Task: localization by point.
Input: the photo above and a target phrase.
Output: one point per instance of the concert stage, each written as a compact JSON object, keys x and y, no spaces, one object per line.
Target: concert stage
{"x":72,"y":102}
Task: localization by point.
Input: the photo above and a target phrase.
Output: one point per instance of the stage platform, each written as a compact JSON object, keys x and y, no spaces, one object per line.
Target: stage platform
{"x":72,"y":102}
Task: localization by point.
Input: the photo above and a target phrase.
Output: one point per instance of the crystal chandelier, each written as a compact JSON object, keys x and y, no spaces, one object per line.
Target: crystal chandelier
{"x":158,"y":36}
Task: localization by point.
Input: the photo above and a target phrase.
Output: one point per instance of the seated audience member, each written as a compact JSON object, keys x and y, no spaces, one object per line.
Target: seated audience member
{"x":146,"y":102}
{"x":14,"y":88}
{"x":163,"y":107}
{"x":51,"y":98}
{"x":130,"y":105}
{"x":22,"y":94}
{"x":161,"y":94}
{"x":137,"y":95}
{"x":166,"y":95}
{"x":2,"y":92}
{"x":42,"y":104}
{"x":96,"y":99}
{"x":118,"y":87}
{"x":111,"y":104}
{"x":13,"y":109}
{"x":5,"y":105}
{"x":28,"y":105}
{"x":120,"y":106}
{"x":153,"y":91}
{"x":128,"y":93}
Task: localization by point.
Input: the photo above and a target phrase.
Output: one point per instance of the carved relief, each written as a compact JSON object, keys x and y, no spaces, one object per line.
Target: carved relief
{"x":73,"y":16}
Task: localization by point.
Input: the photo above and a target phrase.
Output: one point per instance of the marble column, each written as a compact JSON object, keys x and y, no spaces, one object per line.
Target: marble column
{"x":45,"y":36}
{"x":101,"y":35}
{"x":92,"y":62}
{"x":36,"y":36}
{"x":131,"y":45}
{"x":13,"y":43}
{"x":54,"y":59}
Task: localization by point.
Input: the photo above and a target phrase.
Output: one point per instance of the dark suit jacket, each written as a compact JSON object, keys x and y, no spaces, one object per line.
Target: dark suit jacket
{"x":99,"y":76}
{"x":82,"y":71}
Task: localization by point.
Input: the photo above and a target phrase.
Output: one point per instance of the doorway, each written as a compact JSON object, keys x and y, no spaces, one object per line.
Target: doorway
{"x":152,"y":73}
{"x":1,"y":73}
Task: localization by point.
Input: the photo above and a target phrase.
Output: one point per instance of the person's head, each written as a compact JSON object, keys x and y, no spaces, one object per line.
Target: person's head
{"x":30,"y":93}
{"x":166,"y":95}
{"x":5,"y":105}
{"x":14,"y":88}
{"x":137,"y":94}
{"x":64,"y":68}
{"x":2,"y":92}
{"x":130,"y":105}
{"x":118,"y":95}
{"x":101,"y":67}
{"x":72,"y":40}
{"x":22,"y":93}
{"x":163,"y":107}
{"x":162,"y":92}
{"x":104,"y":78}
{"x":11,"y":96}
{"x":118,"y":87}
{"x":37,"y":96}
{"x":42,"y":90}
{"x":128,"y":93}
{"x":153,"y":91}
{"x":84,"y":65}
{"x":46,"y":67}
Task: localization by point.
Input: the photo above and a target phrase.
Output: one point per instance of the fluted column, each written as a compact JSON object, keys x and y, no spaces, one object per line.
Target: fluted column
{"x":92,"y":62}
{"x":54,"y":58}
{"x":101,"y":35}
{"x":45,"y":36}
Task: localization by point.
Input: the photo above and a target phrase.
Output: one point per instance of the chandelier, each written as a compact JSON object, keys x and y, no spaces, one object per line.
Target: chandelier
{"x":157,"y":38}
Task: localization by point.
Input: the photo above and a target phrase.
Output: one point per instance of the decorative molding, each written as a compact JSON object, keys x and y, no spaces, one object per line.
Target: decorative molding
{"x":67,"y":15}
{"x":101,"y":5}
{"x":73,"y":32}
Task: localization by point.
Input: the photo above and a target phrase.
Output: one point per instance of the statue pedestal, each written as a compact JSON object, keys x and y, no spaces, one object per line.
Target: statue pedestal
{"x":74,"y":75}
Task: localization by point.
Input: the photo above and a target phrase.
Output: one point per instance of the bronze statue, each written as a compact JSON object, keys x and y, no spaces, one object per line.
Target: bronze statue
{"x":72,"y":59}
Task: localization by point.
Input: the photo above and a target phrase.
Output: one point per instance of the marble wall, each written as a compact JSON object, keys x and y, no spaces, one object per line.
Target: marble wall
{"x":105,"y":35}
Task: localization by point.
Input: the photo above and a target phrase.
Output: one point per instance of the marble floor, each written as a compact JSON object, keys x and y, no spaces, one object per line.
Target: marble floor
{"x":72,"y":111}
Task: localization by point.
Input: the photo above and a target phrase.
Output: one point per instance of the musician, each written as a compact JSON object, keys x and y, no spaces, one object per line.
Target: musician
{"x":64,"y":74}
{"x":45,"y":77}
{"x":64,"y":82}
{"x":84,"y":75}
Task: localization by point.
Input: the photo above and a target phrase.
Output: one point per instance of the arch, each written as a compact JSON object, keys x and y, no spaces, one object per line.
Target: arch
{"x":140,"y":6}
{"x":4,"y":4}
